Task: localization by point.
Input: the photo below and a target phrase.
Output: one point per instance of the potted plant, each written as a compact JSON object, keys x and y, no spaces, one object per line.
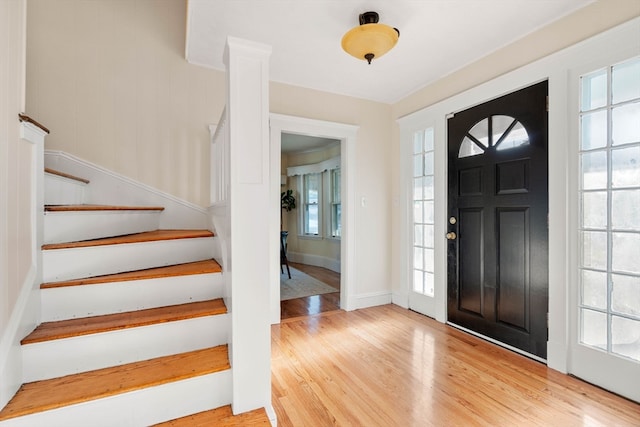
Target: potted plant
{"x":287,"y":202}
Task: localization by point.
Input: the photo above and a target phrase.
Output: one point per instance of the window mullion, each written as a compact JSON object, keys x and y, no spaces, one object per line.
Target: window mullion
{"x":609,"y":207}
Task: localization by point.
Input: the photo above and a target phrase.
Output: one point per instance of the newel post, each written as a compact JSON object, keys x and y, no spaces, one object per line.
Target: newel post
{"x":249,"y":267}
{"x":35,"y":133}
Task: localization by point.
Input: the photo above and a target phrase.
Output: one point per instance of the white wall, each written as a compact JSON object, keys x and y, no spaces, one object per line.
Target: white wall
{"x":110,"y":79}
{"x":569,"y":30}
{"x":18,"y":272}
{"x":371,"y":270}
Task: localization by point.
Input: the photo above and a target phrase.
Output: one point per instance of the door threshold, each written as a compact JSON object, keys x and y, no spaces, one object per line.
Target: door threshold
{"x":501,"y":344}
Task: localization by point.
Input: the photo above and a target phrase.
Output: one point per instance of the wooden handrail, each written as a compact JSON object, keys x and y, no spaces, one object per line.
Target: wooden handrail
{"x":25,"y":118}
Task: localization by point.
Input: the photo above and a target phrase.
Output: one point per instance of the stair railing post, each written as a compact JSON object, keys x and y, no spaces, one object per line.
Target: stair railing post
{"x":249,"y":266}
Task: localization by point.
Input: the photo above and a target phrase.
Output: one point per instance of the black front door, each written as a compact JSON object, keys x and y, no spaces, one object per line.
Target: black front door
{"x":498,"y":239}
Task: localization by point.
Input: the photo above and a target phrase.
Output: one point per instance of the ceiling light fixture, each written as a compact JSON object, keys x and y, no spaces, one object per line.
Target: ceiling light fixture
{"x":370,"y":40}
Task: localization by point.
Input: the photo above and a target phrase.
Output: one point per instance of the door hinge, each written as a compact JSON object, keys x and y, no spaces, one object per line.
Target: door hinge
{"x":547,"y":103}
{"x":547,"y":320}
{"x":547,"y":326}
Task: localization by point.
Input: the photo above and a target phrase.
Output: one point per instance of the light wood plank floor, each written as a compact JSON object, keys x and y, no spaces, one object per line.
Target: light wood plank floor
{"x":316,"y":304}
{"x":387,"y":366}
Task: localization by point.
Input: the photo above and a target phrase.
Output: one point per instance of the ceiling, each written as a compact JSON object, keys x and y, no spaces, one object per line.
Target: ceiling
{"x":437,"y":37}
{"x":291,"y":143}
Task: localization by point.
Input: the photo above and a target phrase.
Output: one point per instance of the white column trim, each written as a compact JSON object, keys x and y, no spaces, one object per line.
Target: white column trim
{"x":250,"y":241}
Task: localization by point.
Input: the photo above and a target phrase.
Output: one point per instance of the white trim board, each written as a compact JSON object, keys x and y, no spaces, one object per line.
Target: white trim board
{"x":24,"y":318}
{"x":316,"y":260}
{"x":372,"y":299}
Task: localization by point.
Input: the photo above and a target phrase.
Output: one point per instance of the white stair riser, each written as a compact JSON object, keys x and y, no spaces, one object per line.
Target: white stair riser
{"x":59,"y":190}
{"x":105,"y":298}
{"x":75,"y":226}
{"x":76,"y":263}
{"x":141,"y":407}
{"x":61,"y":357}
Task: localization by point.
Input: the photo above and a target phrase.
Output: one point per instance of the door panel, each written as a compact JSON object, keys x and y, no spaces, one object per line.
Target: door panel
{"x":513,"y":280}
{"x":497,"y":262}
{"x":471,"y":260}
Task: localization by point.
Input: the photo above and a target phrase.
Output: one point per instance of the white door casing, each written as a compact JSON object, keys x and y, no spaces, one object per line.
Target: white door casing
{"x":346,"y":133}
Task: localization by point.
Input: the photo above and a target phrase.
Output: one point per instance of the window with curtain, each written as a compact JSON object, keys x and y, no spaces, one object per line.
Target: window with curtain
{"x":335,"y":207}
{"x":312,"y":199}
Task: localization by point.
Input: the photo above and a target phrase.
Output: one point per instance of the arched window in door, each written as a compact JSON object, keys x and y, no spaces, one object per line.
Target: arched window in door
{"x":494,"y":132}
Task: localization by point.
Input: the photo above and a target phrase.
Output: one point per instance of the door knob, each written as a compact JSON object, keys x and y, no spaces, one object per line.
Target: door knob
{"x":451,"y":235}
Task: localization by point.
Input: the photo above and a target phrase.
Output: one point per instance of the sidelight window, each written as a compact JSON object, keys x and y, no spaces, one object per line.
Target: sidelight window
{"x":423,"y":224}
{"x":610,"y":209}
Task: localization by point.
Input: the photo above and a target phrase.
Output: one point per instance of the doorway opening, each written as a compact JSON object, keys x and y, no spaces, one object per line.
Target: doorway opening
{"x":311,"y":225}
{"x":306,"y":221}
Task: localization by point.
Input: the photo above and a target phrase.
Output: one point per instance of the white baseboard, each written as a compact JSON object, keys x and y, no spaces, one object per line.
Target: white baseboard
{"x":110,"y":188}
{"x":316,"y":260}
{"x":372,"y":299}
{"x":271,"y":414}
{"x":556,"y":356}
{"x":400,"y":299}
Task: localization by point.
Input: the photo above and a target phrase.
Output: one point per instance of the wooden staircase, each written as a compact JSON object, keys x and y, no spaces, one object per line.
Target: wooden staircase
{"x":134,"y":327}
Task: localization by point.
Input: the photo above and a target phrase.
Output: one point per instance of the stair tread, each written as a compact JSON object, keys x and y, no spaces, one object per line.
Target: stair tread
{"x":71,"y":389}
{"x":87,"y":208}
{"x":148,"y":236}
{"x":220,"y":417}
{"x":66,"y":175}
{"x":190,"y":268}
{"x":48,"y":331}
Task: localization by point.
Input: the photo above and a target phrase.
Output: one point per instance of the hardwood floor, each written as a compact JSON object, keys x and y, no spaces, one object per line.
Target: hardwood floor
{"x":316,"y":304}
{"x":387,"y":366}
